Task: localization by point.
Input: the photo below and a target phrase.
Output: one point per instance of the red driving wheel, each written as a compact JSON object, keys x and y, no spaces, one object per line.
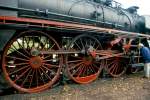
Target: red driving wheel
{"x":82,"y":67}
{"x":116,"y":66}
{"x":25,"y":68}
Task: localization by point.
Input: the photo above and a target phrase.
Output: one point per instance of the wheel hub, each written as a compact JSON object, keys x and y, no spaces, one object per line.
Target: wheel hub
{"x":91,"y":51}
{"x":35,"y":52}
{"x":88,"y":60}
{"x":36,"y":62}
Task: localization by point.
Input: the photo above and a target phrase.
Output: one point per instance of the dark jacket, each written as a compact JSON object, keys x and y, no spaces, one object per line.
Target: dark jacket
{"x":145,"y":53}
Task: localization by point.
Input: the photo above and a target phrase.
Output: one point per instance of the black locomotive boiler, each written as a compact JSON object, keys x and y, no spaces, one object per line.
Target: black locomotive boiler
{"x":42,"y":40}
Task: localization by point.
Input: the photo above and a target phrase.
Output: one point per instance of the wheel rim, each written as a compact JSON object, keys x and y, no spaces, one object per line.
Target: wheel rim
{"x":83,"y":68}
{"x":25,"y":68}
{"x":116,"y":66}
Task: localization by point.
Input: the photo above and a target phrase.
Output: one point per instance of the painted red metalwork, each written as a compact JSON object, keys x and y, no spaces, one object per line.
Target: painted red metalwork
{"x":117,"y":40}
{"x":93,"y":53}
{"x":82,"y":67}
{"x":48,"y":23}
{"x":36,"y":62}
{"x":27,"y":72}
{"x":86,"y":79}
{"x":116,"y":66}
{"x":128,"y":45}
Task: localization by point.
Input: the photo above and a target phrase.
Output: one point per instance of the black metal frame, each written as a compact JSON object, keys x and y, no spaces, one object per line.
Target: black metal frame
{"x":46,"y":13}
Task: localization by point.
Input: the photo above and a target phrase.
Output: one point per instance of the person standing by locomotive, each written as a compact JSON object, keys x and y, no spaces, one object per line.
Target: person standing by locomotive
{"x":145,"y":53}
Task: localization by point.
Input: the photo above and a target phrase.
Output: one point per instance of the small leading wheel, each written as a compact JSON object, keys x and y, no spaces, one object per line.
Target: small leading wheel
{"x":25,"y":68}
{"x":82,"y":67}
{"x":116,"y":66}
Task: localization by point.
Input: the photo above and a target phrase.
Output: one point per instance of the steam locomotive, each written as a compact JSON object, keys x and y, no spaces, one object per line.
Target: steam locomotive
{"x":39,"y":38}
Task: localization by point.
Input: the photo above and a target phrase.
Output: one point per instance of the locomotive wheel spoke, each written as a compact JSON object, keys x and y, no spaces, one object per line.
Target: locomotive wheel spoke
{"x":46,"y":42}
{"x":52,"y":46}
{"x":21,"y":64}
{"x":82,"y":67}
{"x":85,"y":70}
{"x":78,"y":46}
{"x":47,"y":68}
{"x":97,"y":47}
{"x":22,"y":74}
{"x":27,"y":42}
{"x":76,"y":70}
{"x":74,"y":61}
{"x":80,"y":71}
{"x":23,"y":48}
{"x":20,"y":69}
{"x":47,"y":57}
{"x":45,"y":73}
{"x":95,"y":66}
{"x":51,"y":65}
{"x":76,"y":65}
{"x":26,"y":77}
{"x":117,"y":67}
{"x":36,"y":77}
{"x":20,"y":53}
{"x":25,"y":68}
{"x":94,"y":70}
{"x":31,"y":78}
{"x":50,"y":60}
{"x":91,"y":69}
{"x":94,"y":43}
{"x":82,"y":43}
{"x":86,"y":44}
{"x":17,"y":58}
{"x":41,"y":76}
{"x":33,"y":41}
{"x":114,"y":68}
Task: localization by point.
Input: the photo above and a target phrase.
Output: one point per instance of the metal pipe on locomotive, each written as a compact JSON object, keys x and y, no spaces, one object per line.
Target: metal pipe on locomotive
{"x":76,"y":37}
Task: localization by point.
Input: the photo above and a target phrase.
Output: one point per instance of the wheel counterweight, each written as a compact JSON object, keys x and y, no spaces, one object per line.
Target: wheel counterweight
{"x":25,"y":68}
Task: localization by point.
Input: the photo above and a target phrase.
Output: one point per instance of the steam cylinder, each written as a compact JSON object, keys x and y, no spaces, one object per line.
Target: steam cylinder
{"x":113,"y":16}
